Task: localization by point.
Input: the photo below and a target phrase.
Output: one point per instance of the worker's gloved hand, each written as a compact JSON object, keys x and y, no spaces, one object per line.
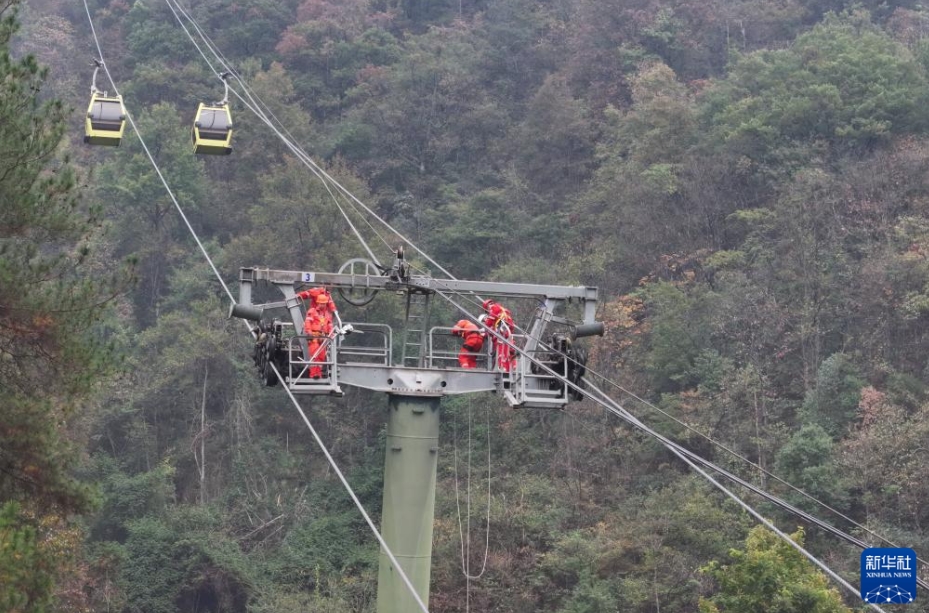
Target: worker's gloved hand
{"x":346,"y":329}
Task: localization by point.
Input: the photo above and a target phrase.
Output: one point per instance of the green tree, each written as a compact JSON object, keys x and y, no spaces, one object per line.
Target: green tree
{"x":806,"y":461}
{"x":678,"y":335}
{"x":128,"y":497}
{"x":426,"y":118}
{"x":770,"y":576}
{"x":463,"y":236}
{"x":553,"y":146}
{"x":793,"y":251}
{"x":50,"y":302}
{"x":640,"y":191}
{"x":244,"y":29}
{"x":182,"y":562}
{"x":833,"y":403}
{"x":329,"y":46}
{"x":844,"y":82}
{"x":26,"y":571}
{"x":39,"y":335}
{"x":297,"y":224}
{"x":147,"y":226}
{"x":152,"y":33}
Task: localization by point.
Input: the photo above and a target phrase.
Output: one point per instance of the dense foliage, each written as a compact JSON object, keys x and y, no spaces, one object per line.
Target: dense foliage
{"x":745,"y":180}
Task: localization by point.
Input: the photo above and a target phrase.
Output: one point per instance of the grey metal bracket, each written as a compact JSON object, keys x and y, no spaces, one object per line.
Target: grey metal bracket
{"x":585,"y":295}
{"x":521,"y":388}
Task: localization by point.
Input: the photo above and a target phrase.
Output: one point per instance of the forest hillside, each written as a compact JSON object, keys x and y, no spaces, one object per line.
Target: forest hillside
{"x":745,"y":181}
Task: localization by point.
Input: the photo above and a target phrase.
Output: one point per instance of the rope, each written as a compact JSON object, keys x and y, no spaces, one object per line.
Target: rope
{"x":466,"y":556}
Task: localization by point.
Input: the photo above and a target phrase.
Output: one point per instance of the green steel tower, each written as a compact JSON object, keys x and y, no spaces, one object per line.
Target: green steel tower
{"x":416,"y":373}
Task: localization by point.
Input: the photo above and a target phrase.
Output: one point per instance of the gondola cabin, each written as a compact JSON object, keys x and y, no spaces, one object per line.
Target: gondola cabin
{"x":105,"y":121}
{"x":212,"y":132}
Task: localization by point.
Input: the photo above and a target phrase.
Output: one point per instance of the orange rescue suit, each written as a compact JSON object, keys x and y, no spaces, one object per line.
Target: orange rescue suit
{"x":317,"y":326}
{"x":473,"y":342}
{"x":500,"y":321}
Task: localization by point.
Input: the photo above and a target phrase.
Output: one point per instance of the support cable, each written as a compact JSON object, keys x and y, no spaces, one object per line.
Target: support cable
{"x":264,"y":118}
{"x":312,"y":165}
{"x":620,"y":412}
{"x":315,"y":434}
{"x":830,"y":528}
{"x":611,"y":405}
{"x":322,"y":173}
{"x":151,"y":159}
{"x":259,"y":108}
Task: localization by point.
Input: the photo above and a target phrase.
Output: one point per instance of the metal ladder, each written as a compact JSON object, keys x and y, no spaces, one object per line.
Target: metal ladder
{"x":417,"y":326}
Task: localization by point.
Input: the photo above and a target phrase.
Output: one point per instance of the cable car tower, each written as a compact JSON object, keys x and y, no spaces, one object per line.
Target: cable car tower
{"x":416,"y":373}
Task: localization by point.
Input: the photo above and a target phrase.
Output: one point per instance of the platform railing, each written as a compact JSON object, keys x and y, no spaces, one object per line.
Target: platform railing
{"x":367,"y":344}
{"x":301,"y":368}
{"x":532,"y":386}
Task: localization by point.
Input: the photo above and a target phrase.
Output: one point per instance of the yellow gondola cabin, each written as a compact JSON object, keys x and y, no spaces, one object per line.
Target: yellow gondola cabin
{"x":105,"y":121}
{"x":212,"y":131}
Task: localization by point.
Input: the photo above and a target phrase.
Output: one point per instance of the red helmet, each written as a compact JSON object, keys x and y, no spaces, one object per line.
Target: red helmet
{"x":322,"y":298}
{"x":488,"y":303}
{"x":462,"y":326}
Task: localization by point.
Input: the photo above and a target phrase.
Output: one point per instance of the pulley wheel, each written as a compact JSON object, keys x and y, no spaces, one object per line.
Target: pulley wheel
{"x":359,"y":296}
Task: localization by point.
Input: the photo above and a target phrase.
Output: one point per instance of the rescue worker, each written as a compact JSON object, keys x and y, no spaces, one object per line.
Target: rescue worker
{"x":473,"y":338}
{"x":321,"y":300}
{"x":499,"y":319}
{"x":313,"y":293}
{"x":318,"y":327}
